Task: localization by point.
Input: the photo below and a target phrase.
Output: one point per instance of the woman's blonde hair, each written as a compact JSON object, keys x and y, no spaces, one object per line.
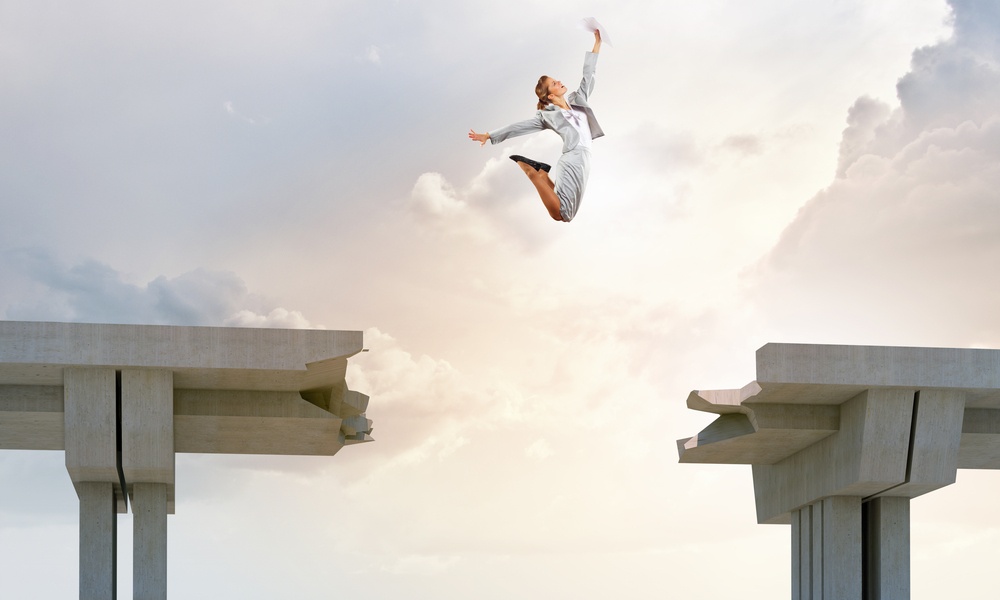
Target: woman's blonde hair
{"x":542,"y":91}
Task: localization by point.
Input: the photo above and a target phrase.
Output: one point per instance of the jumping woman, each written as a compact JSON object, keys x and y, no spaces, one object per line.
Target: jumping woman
{"x":571,"y":117}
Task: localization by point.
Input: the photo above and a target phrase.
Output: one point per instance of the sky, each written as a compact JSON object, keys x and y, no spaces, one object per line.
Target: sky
{"x":772,"y":171}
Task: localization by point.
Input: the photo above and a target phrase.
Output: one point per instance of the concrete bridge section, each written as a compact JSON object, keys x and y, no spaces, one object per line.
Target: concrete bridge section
{"x":121,"y":400}
{"x":840,"y":438}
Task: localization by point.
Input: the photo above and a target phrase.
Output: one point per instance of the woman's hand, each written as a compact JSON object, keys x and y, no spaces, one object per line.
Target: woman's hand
{"x":597,"y":41}
{"x":482,"y":138}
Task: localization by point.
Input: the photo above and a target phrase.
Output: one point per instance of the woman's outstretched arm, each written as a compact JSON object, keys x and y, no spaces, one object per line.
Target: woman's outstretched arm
{"x":498,"y":135}
{"x":482,"y":138}
{"x":597,"y":41}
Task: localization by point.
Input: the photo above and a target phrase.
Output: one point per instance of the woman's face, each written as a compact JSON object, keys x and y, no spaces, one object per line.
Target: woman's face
{"x":556,"y":88}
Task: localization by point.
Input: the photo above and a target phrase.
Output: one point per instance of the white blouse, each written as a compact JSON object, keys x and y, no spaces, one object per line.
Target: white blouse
{"x":578,"y":119}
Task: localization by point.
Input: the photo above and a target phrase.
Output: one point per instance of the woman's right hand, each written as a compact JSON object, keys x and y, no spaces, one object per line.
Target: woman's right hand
{"x":482,"y":138}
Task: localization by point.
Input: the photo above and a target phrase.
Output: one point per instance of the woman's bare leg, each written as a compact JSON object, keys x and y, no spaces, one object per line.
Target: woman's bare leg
{"x":546,"y":189}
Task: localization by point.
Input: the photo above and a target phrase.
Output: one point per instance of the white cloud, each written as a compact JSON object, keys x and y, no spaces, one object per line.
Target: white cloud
{"x":911,"y":225}
{"x":278,"y":317}
{"x":863,"y":121}
{"x":231,"y":110}
{"x":497,"y":206}
{"x":436,"y":197}
{"x":424,"y":407}
{"x":539,"y":450}
{"x":373,"y":55}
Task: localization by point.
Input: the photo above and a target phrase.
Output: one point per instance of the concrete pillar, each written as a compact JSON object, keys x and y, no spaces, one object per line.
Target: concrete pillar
{"x":91,"y":426}
{"x":887,"y":548}
{"x":807,"y":552}
{"x":148,"y":463}
{"x":841,"y":548}
{"x":98,"y":540}
{"x":826,"y":550}
{"x":149,"y":541}
{"x":802,"y":554}
{"x":148,"y":426}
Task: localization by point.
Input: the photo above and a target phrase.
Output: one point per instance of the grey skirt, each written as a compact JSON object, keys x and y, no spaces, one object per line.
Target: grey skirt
{"x":570,"y":177}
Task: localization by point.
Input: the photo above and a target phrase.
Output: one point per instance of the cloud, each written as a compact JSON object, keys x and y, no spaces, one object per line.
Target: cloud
{"x":497,"y":206}
{"x":434,"y":197}
{"x":278,"y":317}
{"x":538,"y":450}
{"x":745,"y":145}
{"x":910,"y":226}
{"x":91,"y":291}
{"x":373,"y":55}
{"x":863,"y":121}
{"x":231,"y":110}
{"x":426,"y":407}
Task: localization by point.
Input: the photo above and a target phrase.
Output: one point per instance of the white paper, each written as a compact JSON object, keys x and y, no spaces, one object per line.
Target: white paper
{"x":590,"y":24}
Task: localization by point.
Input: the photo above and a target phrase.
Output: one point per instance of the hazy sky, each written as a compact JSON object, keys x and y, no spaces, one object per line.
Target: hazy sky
{"x":772,"y":171}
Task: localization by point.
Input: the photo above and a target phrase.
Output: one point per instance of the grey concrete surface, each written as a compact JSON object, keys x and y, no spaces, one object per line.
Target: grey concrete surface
{"x":121,"y":400}
{"x":840,"y":438}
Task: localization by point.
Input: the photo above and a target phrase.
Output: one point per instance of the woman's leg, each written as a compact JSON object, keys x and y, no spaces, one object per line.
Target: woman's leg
{"x":546,"y":189}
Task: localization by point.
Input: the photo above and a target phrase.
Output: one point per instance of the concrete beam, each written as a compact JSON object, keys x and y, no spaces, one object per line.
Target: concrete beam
{"x":813,"y":417}
{"x":249,"y":422}
{"x":980,"y":447}
{"x":760,"y":433}
{"x":722,"y":401}
{"x":32,"y":417}
{"x":865,"y":457}
{"x":878,"y":366}
{"x":33,"y":353}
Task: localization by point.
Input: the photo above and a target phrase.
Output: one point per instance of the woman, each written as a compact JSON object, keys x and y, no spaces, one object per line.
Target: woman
{"x":571,"y":117}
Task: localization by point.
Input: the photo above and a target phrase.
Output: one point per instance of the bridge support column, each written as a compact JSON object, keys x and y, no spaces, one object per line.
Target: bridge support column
{"x":886,"y":531}
{"x":149,"y":543}
{"x":826,"y":550}
{"x":98,"y":540}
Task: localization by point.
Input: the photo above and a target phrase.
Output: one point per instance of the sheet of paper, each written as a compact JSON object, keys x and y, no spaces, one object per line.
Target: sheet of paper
{"x":590,"y":24}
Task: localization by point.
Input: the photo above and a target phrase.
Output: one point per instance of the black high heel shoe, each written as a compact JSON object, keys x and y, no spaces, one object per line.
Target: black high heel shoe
{"x":534,"y":164}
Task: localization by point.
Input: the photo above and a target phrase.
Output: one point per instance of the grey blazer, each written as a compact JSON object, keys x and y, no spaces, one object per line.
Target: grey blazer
{"x":551,"y":116}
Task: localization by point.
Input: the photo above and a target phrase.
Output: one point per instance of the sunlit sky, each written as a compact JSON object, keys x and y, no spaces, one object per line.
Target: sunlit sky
{"x":772,"y":171}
